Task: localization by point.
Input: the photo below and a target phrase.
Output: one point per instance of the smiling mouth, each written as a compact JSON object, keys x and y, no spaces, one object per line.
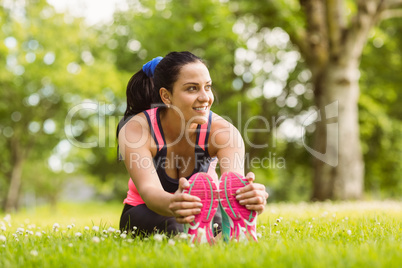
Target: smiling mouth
{"x":200,"y":108}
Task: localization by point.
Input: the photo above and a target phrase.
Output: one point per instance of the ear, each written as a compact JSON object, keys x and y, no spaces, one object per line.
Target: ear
{"x":165,"y":95}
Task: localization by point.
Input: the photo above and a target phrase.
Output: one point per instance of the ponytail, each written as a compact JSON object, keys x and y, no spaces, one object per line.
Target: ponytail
{"x":139,"y":94}
{"x":140,"y":89}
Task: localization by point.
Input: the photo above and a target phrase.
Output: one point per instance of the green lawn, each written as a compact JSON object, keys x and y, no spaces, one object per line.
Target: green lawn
{"x":351,"y":234}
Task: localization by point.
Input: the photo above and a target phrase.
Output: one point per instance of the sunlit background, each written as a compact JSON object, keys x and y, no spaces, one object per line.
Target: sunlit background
{"x":65,"y":65}
{"x":91,"y":10}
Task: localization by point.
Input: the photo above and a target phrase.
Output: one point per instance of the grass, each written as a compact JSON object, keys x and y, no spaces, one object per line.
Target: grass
{"x":349,"y":234}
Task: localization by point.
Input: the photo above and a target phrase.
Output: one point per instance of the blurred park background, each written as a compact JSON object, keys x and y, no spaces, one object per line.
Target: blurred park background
{"x":63,"y":78}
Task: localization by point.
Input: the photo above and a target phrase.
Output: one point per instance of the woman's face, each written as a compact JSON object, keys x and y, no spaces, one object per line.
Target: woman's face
{"x":192,"y":93}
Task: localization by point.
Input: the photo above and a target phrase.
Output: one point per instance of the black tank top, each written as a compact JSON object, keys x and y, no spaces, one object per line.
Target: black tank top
{"x":202,"y":158}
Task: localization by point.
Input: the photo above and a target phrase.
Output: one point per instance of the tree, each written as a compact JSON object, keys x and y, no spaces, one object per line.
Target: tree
{"x":29,"y":103}
{"x":330,"y":36}
{"x":46,"y":60}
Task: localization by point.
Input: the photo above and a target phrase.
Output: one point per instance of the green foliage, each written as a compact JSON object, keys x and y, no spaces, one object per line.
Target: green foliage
{"x":154,"y":28}
{"x":47,"y":67}
{"x":41,"y":183}
{"x":380,"y":110}
{"x":31,"y":104}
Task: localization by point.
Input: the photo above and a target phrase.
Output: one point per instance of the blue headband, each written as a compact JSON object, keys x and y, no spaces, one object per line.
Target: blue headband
{"x":149,"y":67}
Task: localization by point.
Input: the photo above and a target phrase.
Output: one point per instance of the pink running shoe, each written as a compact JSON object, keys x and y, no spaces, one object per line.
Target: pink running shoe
{"x":237,"y":221}
{"x":203,"y":186}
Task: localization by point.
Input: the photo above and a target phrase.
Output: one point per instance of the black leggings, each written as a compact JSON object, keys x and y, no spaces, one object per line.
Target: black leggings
{"x":149,"y":222}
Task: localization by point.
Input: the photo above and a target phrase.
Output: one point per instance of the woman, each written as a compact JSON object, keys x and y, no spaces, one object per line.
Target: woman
{"x":170,"y":142}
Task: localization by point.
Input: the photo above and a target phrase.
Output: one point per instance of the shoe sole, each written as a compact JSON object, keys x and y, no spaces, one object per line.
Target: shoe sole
{"x":203,"y":186}
{"x":242,"y":220}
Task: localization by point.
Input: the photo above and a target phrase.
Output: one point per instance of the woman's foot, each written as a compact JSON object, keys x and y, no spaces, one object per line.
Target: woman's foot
{"x":201,"y":229}
{"x":237,"y":221}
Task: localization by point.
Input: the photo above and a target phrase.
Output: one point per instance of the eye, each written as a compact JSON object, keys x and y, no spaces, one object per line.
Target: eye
{"x":192,"y":88}
{"x":208,"y":87}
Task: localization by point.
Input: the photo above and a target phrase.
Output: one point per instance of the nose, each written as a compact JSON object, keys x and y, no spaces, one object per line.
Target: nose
{"x":203,"y":96}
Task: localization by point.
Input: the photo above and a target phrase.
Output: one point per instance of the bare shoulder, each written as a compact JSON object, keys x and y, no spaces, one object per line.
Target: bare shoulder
{"x":221,"y":125}
{"x":135,"y":125}
{"x":219,"y":122}
{"x":135,"y":133}
{"x":223,"y":134}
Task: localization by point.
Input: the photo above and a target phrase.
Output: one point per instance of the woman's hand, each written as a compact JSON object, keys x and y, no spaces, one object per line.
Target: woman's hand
{"x":253,"y":196}
{"x":184,"y":206}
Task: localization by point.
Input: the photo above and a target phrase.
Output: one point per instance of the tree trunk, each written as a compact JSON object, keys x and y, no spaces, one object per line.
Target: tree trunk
{"x":339,"y":167}
{"x":15,"y":181}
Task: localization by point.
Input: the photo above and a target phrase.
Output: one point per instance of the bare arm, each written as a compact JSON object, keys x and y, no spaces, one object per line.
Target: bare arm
{"x":228,"y":145}
{"x":137,"y":146}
